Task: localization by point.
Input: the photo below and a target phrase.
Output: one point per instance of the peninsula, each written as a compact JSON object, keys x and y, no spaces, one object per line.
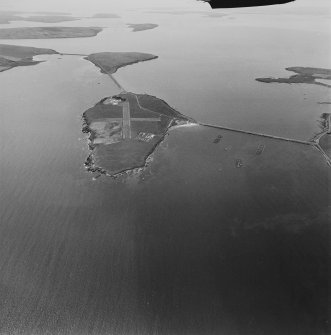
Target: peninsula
{"x":13,"y":55}
{"x":142,"y":26}
{"x":124,"y":130}
{"x":48,"y":32}
{"x":304,"y":75}
{"x":110,"y":62}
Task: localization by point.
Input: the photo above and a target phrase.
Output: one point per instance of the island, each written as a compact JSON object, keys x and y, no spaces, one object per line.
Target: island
{"x":142,"y":26}
{"x":13,"y":55}
{"x":110,"y":62}
{"x":304,"y":75}
{"x":125,"y":129}
{"x":51,"y":13}
{"x":7,"y":17}
{"x":105,"y":16}
{"x":50,"y":18}
{"x":48,"y":32}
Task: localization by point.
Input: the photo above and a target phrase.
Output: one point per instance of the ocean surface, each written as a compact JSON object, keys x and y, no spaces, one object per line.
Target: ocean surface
{"x":190,"y":244}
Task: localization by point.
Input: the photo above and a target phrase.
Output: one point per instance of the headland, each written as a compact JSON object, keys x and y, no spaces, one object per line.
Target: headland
{"x":13,"y":55}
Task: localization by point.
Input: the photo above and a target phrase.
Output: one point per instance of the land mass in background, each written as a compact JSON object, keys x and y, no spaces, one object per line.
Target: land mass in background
{"x":105,"y":16}
{"x":13,"y":55}
{"x":48,"y":32}
{"x":49,"y":18}
{"x":304,"y":75}
{"x":142,"y":26}
{"x":7,"y":17}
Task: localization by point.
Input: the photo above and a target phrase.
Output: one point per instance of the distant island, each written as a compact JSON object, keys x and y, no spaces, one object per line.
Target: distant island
{"x":124,"y":130}
{"x":7,"y":17}
{"x":52,"y":13}
{"x":304,"y":75}
{"x":105,"y":16}
{"x":142,"y":26}
{"x":48,"y":32}
{"x":110,"y":62}
{"x":50,"y":18}
{"x":13,"y":56}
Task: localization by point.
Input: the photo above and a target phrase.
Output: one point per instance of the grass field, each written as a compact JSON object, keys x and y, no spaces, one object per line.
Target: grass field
{"x":109,"y":62}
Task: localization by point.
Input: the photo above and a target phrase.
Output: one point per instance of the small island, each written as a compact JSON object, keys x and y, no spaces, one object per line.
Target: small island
{"x":110,"y":62}
{"x":304,"y":75}
{"x":105,"y":16}
{"x":142,"y":26}
{"x":125,"y":129}
{"x":13,"y":56}
{"x":48,"y":32}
